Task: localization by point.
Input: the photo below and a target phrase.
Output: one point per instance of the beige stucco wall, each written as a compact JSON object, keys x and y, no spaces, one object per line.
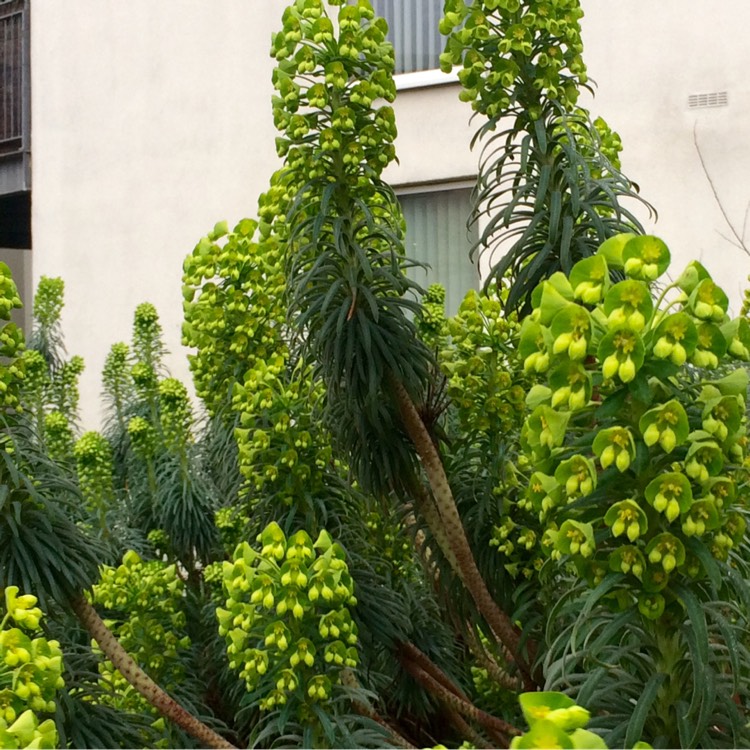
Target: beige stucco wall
{"x":151,"y":121}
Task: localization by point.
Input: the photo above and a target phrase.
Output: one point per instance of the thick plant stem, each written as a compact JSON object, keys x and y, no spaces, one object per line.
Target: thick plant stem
{"x":453,"y":701}
{"x":467,"y":730}
{"x":349,"y":679}
{"x":411,"y":652}
{"x":452,"y":528}
{"x":128,"y":668}
{"x":494,"y":670}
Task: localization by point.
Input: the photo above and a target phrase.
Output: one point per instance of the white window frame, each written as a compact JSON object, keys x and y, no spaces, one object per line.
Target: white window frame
{"x":421,"y":79}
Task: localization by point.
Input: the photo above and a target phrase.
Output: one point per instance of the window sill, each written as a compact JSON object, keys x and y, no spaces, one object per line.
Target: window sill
{"x":424,"y":78}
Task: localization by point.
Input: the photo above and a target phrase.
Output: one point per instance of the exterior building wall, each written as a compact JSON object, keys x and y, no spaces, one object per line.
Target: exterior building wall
{"x":151,"y":121}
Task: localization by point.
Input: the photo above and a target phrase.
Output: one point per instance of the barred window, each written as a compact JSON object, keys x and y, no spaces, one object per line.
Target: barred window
{"x":436,"y":234}
{"x":12,"y":39}
{"x":413,"y":31}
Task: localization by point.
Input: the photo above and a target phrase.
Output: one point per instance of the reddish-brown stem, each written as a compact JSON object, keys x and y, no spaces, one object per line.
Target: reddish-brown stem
{"x":129,"y":669}
{"x":453,"y":701}
{"x":451,"y":528}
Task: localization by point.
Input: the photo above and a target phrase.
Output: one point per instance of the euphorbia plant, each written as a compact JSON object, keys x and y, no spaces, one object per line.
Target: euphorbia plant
{"x":625,"y":476}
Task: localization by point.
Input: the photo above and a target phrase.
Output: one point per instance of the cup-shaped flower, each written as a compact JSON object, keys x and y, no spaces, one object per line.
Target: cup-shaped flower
{"x":666,"y":550}
{"x":670,"y":494}
{"x":627,"y":559}
{"x":544,"y":492}
{"x":737,"y":334}
{"x":577,"y":475}
{"x":735,"y":526}
{"x":722,"y":416}
{"x":651,"y":606}
{"x":628,"y":304}
{"x":721,"y":545}
{"x":304,"y":653}
{"x":708,"y":302}
{"x":300,"y":546}
{"x":576,"y":538}
{"x":621,"y":353}
{"x":571,"y":329}
{"x":719,"y":490}
{"x":702,"y":517}
{"x":319,"y":688}
{"x":555,"y":707}
{"x":612,"y":249}
{"x":15,"y":647}
{"x":546,"y":427}
{"x":273,"y":540}
{"x":666,"y":424}
{"x":293,"y":574}
{"x":627,"y":517}
{"x":277,"y":636}
{"x":693,"y":274}
{"x":675,"y":339}
{"x":589,"y":278}
{"x":654,"y":579}
{"x":615,"y":445}
{"x":534,"y":346}
{"x":704,"y":459}
{"x":551,"y":296}
{"x":543,"y":734}
{"x":645,"y":257}
{"x":711,"y":347}
{"x":263,"y":590}
{"x":570,"y":384}
{"x":22,"y":608}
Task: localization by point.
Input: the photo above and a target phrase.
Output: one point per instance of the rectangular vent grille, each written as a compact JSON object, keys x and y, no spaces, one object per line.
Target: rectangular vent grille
{"x":714,"y":99}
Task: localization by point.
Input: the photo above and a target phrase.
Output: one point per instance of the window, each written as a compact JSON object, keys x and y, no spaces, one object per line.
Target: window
{"x":12,"y":79}
{"x":413,"y":31}
{"x":436,"y":234}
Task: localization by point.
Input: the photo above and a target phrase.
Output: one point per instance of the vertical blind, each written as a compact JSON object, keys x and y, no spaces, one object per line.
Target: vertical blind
{"x":436,"y":234}
{"x":413,"y":31}
{"x":11,"y":72}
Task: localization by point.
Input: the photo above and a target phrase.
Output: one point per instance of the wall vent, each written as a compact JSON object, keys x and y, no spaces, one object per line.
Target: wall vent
{"x":713,"y":99}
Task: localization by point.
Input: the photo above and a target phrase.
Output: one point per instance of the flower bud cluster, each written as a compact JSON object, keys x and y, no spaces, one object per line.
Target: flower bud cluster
{"x":144,"y":601}
{"x":287,"y":624}
{"x":94,"y":464}
{"x":475,"y":357}
{"x":659,"y":471}
{"x":327,"y":80}
{"x":513,"y":52}
{"x":11,"y":343}
{"x":30,"y":675}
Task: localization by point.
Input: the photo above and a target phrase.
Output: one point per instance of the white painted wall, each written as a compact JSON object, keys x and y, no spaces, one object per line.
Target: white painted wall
{"x":647,"y":58}
{"x":151,"y":121}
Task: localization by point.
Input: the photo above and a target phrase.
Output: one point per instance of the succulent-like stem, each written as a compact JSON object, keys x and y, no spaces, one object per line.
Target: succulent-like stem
{"x":130,"y":670}
{"x":494,"y":670}
{"x":451,"y":527}
{"x":456,"y":703}
{"x":349,"y":679}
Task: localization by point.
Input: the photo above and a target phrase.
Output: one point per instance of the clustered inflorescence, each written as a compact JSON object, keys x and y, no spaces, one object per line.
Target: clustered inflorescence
{"x":287,"y":623}
{"x":636,"y":448}
{"x":30,"y":675}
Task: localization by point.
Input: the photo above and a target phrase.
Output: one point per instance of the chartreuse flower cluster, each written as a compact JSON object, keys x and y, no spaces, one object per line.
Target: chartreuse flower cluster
{"x":11,"y":342}
{"x":513,"y":52}
{"x":329,"y":74}
{"x":144,"y":604}
{"x":232,"y":286}
{"x":482,"y":383}
{"x":287,"y":624}
{"x":555,"y":720}
{"x":30,"y":675}
{"x":94,"y":464}
{"x":635,"y":464}
{"x":278,"y":455}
